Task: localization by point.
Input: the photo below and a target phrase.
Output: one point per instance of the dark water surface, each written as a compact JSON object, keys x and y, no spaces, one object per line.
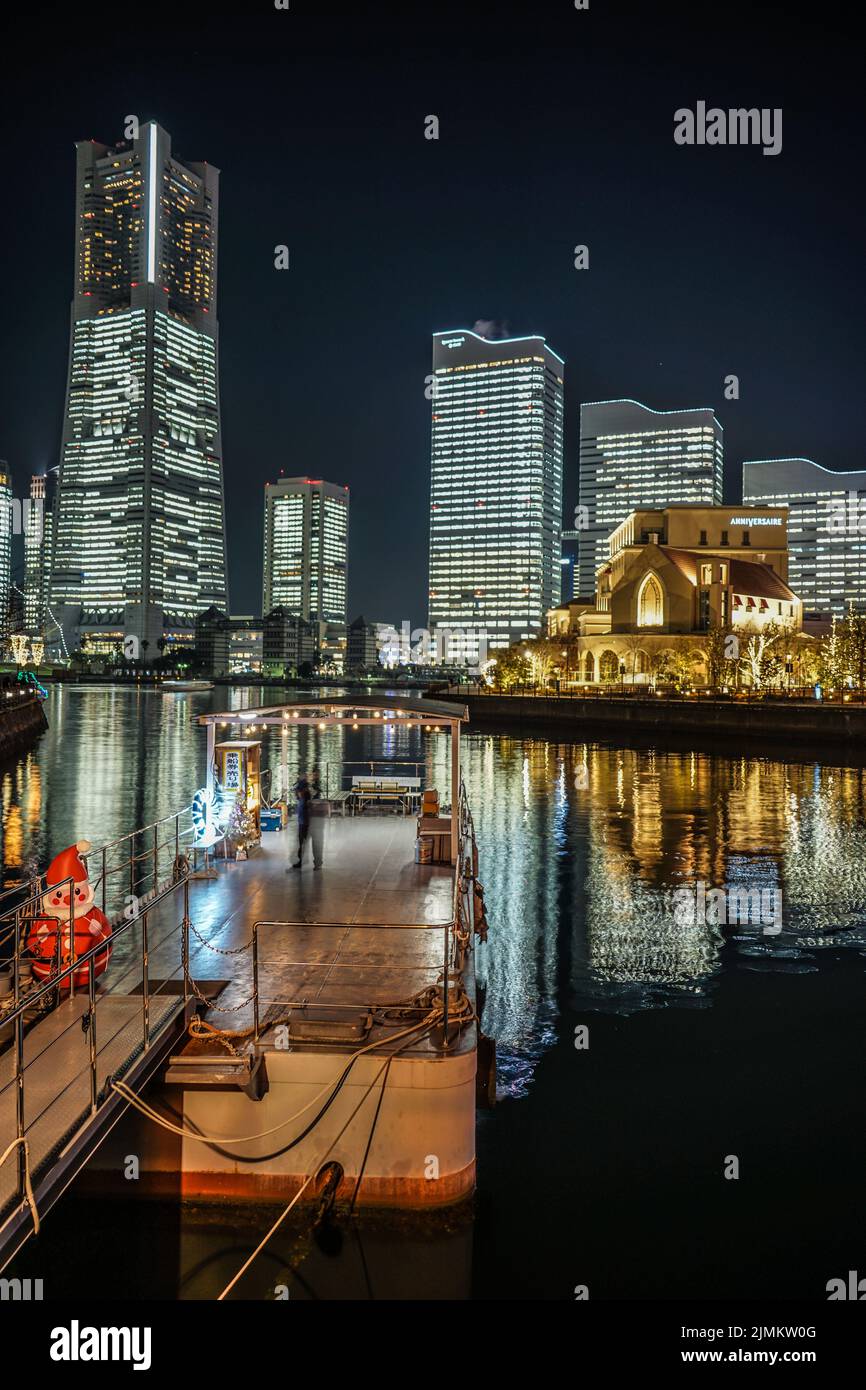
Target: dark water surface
{"x":603,"y":1164}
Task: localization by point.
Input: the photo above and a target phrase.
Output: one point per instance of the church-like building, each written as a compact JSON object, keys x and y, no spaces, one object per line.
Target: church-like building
{"x":673,"y":575}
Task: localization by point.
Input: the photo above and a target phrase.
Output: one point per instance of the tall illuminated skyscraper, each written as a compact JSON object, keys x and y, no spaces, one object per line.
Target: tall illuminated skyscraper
{"x":6,"y":528}
{"x":826,"y":529}
{"x":139,"y":543}
{"x":496,"y":489}
{"x":631,"y":457}
{"x":306,"y":553}
{"x":34,"y":552}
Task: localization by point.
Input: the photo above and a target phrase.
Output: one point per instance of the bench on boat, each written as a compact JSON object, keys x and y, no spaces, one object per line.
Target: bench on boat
{"x":405,"y":790}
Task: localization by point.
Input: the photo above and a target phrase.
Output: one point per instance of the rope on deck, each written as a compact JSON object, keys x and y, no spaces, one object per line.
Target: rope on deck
{"x":28,"y":1189}
{"x":148,"y":1110}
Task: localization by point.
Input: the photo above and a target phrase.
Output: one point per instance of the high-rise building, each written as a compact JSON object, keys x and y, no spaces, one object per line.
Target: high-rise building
{"x":7,"y":522}
{"x":306,"y":557}
{"x":289,"y":643}
{"x":34,"y":558}
{"x":496,"y":490}
{"x":139,"y":543}
{"x":826,"y":529}
{"x":631,"y":457}
{"x":364,"y":644}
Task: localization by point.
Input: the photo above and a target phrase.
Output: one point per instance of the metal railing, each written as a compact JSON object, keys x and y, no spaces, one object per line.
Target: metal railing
{"x":136,"y":875}
{"x":136,"y":859}
{"x":32,"y":998}
{"x":129,"y":867}
{"x":645,"y":690}
{"x":578,"y":690}
{"x":444,"y":927}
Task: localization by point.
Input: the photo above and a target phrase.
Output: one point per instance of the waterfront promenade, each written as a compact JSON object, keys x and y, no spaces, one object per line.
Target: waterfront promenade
{"x":767,"y":719}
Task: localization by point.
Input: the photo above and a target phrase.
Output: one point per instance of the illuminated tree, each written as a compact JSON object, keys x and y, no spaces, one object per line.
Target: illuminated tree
{"x":512,"y":668}
{"x":833,"y":658}
{"x":760,"y":648}
{"x":543,"y":656}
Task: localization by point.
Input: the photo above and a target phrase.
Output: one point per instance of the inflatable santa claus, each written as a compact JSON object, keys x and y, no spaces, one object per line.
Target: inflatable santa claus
{"x":90,"y":924}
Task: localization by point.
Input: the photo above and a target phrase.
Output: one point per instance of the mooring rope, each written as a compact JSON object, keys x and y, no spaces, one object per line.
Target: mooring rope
{"x":28,"y":1189}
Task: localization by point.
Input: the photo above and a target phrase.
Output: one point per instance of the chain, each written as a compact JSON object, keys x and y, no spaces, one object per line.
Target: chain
{"x":220,"y":950}
{"x":217,"y":1008}
{"x":198,"y":1028}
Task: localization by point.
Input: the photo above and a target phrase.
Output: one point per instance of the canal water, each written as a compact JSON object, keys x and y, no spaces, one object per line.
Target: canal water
{"x":674,"y":980}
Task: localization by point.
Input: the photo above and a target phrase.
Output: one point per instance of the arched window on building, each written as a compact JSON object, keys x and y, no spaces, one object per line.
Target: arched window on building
{"x":608,"y":666}
{"x":650,"y":603}
{"x":589,"y":668}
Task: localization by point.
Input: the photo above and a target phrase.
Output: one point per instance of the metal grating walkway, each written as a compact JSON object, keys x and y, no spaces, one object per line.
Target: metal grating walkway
{"x":57,"y":1074}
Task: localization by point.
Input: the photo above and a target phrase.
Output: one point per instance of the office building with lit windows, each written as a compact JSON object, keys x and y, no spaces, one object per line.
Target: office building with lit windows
{"x":496,"y":491}
{"x":139,"y":536}
{"x":34,"y":529}
{"x":306,"y":558}
{"x":826,"y":529}
{"x":7,"y":526}
{"x":632,"y":456}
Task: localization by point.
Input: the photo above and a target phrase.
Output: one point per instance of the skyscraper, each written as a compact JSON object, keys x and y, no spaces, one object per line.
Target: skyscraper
{"x":7,"y":522}
{"x":496,"y":489}
{"x":139,"y":543}
{"x":306,"y":553}
{"x":826,"y":529}
{"x":34,"y":567}
{"x":632,"y":456}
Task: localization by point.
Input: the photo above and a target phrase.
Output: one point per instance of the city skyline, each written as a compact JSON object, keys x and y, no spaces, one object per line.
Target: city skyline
{"x":669,"y":307}
{"x":432,"y":672}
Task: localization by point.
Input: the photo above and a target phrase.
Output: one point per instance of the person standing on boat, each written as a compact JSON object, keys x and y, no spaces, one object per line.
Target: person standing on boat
{"x":302,"y":800}
{"x":318,"y":811}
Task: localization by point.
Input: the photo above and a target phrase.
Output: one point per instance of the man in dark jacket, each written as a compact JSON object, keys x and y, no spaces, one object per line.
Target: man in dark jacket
{"x":302,"y":806}
{"x":318,"y":812}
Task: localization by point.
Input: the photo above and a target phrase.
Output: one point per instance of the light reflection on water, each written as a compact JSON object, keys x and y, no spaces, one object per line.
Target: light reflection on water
{"x":597,"y":1171}
{"x":581,"y":846}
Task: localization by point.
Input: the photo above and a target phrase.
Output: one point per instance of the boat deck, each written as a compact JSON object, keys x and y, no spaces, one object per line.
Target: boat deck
{"x":383,"y":945}
{"x":370,"y":892}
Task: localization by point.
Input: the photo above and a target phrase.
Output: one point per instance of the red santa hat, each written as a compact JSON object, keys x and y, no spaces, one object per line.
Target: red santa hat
{"x":69,"y":864}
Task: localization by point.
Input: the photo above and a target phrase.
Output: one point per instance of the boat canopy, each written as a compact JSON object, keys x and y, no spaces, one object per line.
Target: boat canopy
{"x":351,"y":710}
{"x":338,"y":709}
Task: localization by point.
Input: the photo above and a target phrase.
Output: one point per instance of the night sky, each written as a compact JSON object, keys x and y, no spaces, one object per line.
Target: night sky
{"x":556,"y":128}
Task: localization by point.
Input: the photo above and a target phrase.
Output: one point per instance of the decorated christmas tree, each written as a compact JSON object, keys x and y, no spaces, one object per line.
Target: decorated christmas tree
{"x":241,"y":829}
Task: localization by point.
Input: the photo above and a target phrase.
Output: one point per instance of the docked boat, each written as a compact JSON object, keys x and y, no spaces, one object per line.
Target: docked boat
{"x":293,"y":1027}
{"x":187,"y":685}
